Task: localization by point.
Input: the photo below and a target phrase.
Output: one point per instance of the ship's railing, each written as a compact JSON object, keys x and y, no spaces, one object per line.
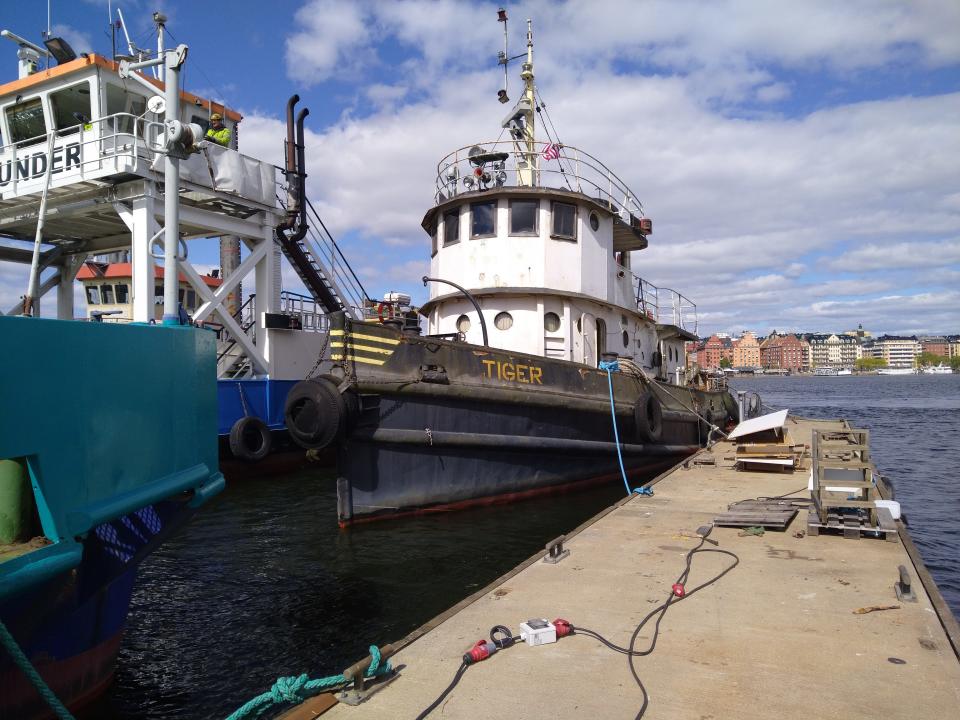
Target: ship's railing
{"x":563,"y":167}
{"x":312,"y":316}
{"x":665,"y":306}
{"x":123,"y":143}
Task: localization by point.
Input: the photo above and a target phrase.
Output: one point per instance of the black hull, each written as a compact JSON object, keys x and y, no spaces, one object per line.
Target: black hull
{"x":436,"y":424}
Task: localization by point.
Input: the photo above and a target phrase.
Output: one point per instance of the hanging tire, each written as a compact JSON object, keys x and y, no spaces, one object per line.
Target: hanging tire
{"x":250,"y":439}
{"x":317,"y":413}
{"x":648,"y":415}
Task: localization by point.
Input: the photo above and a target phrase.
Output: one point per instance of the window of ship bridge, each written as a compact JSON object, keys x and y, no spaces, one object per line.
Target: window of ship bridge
{"x":26,"y":121}
{"x":483,"y":219}
{"x":564,"y":225}
{"x":71,"y":107}
{"x":451,"y":227}
{"x":523,"y":217}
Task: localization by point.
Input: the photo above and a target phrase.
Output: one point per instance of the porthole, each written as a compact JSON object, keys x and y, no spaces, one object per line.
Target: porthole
{"x":594,"y":221}
{"x":503,"y":321}
{"x":463,"y":324}
{"x":626,"y":339}
{"x":551,"y":322}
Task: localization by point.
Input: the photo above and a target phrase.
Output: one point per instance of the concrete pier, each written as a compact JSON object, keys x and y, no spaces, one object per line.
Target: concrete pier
{"x":777,"y":637}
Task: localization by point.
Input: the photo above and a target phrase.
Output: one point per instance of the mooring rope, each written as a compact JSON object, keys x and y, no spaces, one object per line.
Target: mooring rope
{"x":23,"y":662}
{"x":613,"y":366}
{"x":296,"y":689}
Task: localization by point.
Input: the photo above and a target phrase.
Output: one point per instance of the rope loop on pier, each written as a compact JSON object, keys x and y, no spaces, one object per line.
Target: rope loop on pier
{"x":296,"y":689}
{"x":611,"y":367}
{"x":23,"y":662}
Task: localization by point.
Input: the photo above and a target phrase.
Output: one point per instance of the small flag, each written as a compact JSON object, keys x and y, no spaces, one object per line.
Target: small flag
{"x":551,"y":152}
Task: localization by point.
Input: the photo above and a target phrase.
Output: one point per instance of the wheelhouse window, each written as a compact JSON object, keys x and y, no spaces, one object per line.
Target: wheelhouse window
{"x":523,"y":217}
{"x":564,"y":221}
{"x":451,"y":227}
{"x":129,"y":104}
{"x":191,"y":299}
{"x":158,"y":295}
{"x":106,"y":294}
{"x":483,"y":219}
{"x":71,"y":108}
{"x":123,"y":293}
{"x":26,"y":121}
{"x":93,"y":295}
{"x":503,"y":321}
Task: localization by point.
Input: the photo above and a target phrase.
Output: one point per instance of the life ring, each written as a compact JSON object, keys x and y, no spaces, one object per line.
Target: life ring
{"x":317,"y":413}
{"x":384,"y":312}
{"x":648,"y":416}
{"x":250,"y":439}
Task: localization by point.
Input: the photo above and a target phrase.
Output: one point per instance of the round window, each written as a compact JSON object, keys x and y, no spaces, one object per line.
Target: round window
{"x":626,"y":339}
{"x":463,"y":324}
{"x":551,"y":322}
{"x":594,"y":221}
{"x":503,"y":321}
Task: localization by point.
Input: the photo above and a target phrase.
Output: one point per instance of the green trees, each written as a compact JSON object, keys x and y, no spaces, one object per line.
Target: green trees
{"x":870,"y":363}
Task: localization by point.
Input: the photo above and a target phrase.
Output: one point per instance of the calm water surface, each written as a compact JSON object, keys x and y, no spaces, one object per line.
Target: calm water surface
{"x":264,"y":584}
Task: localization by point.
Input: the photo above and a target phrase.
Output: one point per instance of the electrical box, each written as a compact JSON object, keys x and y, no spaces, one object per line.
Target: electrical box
{"x":538,"y":632}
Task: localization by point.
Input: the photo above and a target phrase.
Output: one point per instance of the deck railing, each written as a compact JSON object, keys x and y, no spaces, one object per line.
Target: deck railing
{"x":665,"y":306}
{"x":505,"y":163}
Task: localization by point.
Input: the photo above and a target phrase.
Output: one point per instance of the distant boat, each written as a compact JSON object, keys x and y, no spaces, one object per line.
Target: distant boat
{"x":940,"y":369}
{"x":844,"y":371}
{"x":897,"y":371}
{"x":825,"y":371}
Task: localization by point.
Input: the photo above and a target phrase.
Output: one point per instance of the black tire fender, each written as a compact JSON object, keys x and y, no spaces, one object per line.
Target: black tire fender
{"x":250,"y":439}
{"x":648,"y":415}
{"x":317,"y":413}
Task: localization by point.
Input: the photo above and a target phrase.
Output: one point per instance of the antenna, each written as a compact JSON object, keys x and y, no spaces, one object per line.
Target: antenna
{"x":503,"y":57}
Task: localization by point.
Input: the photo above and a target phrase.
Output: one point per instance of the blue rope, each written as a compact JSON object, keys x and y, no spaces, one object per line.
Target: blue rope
{"x":613,"y":366}
{"x":297,"y":689}
{"x":13,"y":649}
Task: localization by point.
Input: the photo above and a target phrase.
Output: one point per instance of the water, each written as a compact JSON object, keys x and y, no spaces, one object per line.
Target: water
{"x":264,"y":584}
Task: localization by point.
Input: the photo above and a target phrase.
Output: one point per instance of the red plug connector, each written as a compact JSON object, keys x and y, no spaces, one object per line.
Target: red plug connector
{"x":481,"y":651}
{"x":563,"y":627}
{"x":679,"y":590}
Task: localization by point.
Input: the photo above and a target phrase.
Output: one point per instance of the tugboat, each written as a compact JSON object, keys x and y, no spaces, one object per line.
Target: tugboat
{"x":546,"y":329}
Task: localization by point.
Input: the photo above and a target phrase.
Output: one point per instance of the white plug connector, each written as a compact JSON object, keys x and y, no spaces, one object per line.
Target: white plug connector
{"x":538,"y":631}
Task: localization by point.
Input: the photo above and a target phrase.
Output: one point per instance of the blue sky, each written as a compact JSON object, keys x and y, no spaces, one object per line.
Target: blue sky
{"x":799,"y":160}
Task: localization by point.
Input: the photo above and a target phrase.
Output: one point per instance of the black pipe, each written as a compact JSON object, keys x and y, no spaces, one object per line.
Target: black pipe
{"x":483,"y":323}
{"x":302,"y":174}
{"x":291,"y":143}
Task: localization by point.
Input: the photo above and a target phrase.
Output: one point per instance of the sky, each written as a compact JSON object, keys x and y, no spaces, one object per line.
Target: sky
{"x":800,"y":160}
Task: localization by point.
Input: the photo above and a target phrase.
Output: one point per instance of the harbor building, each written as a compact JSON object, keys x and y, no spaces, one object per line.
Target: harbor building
{"x":746,"y":351}
{"x":836,"y":351}
{"x":953,"y":346}
{"x":897,"y":351}
{"x":783,"y":352}
{"x":935,"y":345}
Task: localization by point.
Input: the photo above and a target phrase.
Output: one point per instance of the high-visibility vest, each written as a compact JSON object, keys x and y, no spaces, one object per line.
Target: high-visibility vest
{"x":220,"y":137}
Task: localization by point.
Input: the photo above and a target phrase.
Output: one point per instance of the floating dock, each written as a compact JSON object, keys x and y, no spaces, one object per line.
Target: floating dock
{"x":805,"y":626}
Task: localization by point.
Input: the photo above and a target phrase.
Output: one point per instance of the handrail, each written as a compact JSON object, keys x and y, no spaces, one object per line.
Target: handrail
{"x":573,"y":170}
{"x":359,"y":285}
{"x":665,"y":305}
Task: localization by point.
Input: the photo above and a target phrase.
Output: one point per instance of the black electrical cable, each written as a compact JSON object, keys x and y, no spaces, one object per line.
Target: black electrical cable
{"x":631,"y":652}
{"x":456,"y":678}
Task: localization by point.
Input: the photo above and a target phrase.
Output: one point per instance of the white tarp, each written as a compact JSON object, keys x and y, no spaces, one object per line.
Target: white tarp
{"x":230,"y":172}
{"x":759,"y":424}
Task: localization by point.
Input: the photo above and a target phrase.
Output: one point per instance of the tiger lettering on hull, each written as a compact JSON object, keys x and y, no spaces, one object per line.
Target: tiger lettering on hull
{"x":513,"y":372}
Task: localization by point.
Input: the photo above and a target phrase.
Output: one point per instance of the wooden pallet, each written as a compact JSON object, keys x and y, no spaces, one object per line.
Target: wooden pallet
{"x":768,"y":513}
{"x":854,"y":525}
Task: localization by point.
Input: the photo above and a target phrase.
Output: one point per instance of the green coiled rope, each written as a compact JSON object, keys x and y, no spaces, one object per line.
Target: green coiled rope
{"x":297,"y":689}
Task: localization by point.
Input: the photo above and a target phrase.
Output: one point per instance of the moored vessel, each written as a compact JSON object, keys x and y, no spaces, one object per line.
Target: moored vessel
{"x":536,"y":328}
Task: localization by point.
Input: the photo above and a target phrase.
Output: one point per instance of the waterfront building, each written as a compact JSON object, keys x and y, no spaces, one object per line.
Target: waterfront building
{"x":785,"y":352}
{"x":746,"y":351}
{"x":897,"y":351}
{"x":953,"y":346}
{"x":935,"y":345}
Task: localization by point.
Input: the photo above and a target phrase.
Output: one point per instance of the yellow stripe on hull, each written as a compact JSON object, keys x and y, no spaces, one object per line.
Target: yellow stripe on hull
{"x":361,"y":336}
{"x":354,"y":358}
{"x":354,"y":346}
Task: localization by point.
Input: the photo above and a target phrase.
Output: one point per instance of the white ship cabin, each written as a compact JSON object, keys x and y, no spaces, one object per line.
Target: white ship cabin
{"x":102,"y":128}
{"x":106,"y":289}
{"x":550,"y":260}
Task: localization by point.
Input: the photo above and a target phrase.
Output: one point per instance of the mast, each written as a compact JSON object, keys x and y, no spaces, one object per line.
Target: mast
{"x":531,"y":175}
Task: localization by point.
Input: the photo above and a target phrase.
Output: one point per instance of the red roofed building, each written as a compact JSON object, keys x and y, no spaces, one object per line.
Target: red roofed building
{"x":106,"y":288}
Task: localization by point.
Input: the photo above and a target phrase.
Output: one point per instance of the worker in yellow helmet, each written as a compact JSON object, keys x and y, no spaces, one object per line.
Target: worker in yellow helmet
{"x":218,"y":133}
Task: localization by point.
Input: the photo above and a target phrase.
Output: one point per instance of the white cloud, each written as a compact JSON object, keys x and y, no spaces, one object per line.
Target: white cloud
{"x":334,"y":37}
{"x":899,"y":256}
